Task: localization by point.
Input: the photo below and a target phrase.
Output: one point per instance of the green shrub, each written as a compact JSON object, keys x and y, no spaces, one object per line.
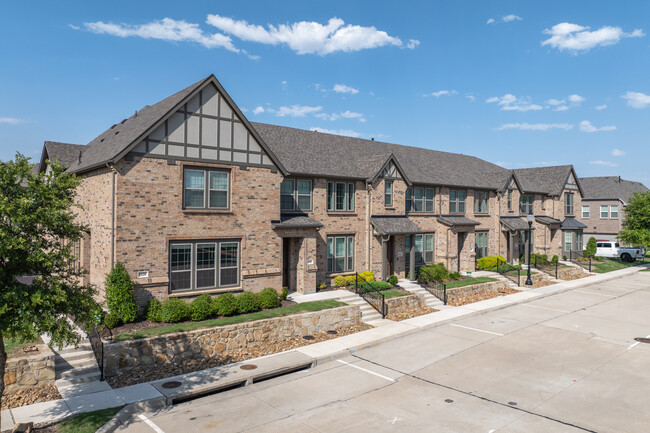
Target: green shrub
{"x":539,"y":259}
{"x":393,"y":280}
{"x":269,"y":298}
{"x":119,"y":294}
{"x":591,"y":248}
{"x":321,"y":286}
{"x":454,"y":276}
{"x":436,"y":272}
{"x":564,"y":258}
{"x":225,"y":305}
{"x":489,"y":262}
{"x":285,"y":293}
{"x":175,"y":310}
{"x":367,"y":275}
{"x":153,"y":312}
{"x":341,"y":281}
{"x":248,"y":302}
{"x":201,"y":307}
{"x":555,"y":259}
{"x":376,"y":285}
{"x":112,"y":320}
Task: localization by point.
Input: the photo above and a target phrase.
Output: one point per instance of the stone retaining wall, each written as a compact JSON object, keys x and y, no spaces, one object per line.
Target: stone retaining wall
{"x":201,"y":343}
{"x":457,"y":293}
{"x":30,"y":371}
{"x":404,"y":304}
{"x":572,"y":273}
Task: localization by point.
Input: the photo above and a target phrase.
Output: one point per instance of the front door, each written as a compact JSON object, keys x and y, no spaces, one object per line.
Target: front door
{"x":390,"y":265}
{"x":286,"y":256}
{"x":461,"y":243}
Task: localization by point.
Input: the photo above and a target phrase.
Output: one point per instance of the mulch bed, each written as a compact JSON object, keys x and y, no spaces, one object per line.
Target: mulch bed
{"x":476,"y":297}
{"x":147,"y":373}
{"x":30,"y":396}
{"x":411,"y":313}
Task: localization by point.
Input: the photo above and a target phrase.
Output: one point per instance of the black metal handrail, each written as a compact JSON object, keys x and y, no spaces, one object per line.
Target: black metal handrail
{"x":505,"y":268}
{"x":370,"y":294}
{"x":436,"y":290}
{"x":97,"y":345}
{"x":545,"y":265}
{"x":575,"y":255}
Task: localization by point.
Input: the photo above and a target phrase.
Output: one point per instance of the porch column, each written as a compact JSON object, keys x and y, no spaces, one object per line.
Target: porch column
{"x":412,"y":258}
{"x":384,"y":258}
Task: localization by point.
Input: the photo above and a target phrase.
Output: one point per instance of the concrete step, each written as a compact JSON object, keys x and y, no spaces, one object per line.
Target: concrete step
{"x":78,"y":372}
{"x":76,"y":380}
{"x":60,"y":367}
{"x":72,"y":356}
{"x":84,"y":345}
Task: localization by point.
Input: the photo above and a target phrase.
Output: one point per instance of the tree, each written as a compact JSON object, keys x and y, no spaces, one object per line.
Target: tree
{"x":636,"y":225}
{"x":119,"y":294}
{"x":590,"y":250}
{"x":37,"y":232}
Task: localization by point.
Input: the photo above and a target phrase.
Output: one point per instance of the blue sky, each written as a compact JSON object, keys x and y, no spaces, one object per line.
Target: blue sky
{"x":516,"y":83}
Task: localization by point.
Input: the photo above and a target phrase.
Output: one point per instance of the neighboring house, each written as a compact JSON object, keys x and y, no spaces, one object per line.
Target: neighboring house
{"x":193,"y":198}
{"x":603,"y":206}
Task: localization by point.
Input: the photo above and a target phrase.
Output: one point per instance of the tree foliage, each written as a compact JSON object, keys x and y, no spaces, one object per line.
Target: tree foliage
{"x":636,"y":225}
{"x":119,"y":294}
{"x":591,"y":248}
{"x":37,"y":232}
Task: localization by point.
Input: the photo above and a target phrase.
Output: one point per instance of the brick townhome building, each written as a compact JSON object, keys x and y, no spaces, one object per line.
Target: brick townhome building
{"x":603,"y":206}
{"x":194,"y":198}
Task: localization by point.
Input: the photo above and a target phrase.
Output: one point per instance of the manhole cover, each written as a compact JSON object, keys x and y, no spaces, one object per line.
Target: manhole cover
{"x":308,"y":337}
{"x":331,"y":332}
{"x":449,"y":400}
{"x":171,"y":384}
{"x":512,"y":403}
{"x":248,"y":367}
{"x":642,"y":340}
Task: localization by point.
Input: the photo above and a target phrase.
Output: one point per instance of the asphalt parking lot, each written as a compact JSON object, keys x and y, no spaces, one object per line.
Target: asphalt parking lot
{"x":564,"y":363}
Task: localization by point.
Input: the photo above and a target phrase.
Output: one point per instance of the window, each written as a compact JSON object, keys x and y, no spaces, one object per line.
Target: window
{"x":526,"y":204}
{"x":567,"y":241}
{"x":295,"y":195}
{"x":481,"y":201}
{"x":419,"y":199}
{"x":200,"y":265}
{"x":585,"y":211}
{"x":388,"y":193}
{"x":604,"y":212}
{"x":424,"y":249}
{"x":340,"y":254}
{"x":509,"y":200}
{"x":613,"y":211}
{"x":457,"y":201}
{"x":205,"y":189}
{"x":481,"y":244}
{"x":568,"y":203}
{"x":340,"y":197}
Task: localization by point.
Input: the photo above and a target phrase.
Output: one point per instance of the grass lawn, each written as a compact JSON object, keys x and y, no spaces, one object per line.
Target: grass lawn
{"x":610,"y":265}
{"x":469,"y":281}
{"x":264,"y":314}
{"x":394,"y":293}
{"x":87,"y":422}
{"x":14,"y":345}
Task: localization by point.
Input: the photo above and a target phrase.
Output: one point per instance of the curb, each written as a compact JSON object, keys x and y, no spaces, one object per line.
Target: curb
{"x":127,"y":412}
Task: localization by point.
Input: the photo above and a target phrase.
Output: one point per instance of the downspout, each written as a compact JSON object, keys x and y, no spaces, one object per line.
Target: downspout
{"x":368,"y":228}
{"x":114,"y":173}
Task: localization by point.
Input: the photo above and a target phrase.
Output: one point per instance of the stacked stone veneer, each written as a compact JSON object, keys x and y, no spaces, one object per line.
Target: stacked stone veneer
{"x":458,"y":293}
{"x":571,"y":273}
{"x":28,"y":372}
{"x":404,"y":304}
{"x":218,"y":341}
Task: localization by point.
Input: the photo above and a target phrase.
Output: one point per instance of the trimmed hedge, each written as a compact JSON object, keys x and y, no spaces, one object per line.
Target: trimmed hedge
{"x":201,"y":307}
{"x":112,"y":320}
{"x":175,"y":310}
{"x":393,"y":280}
{"x":119,"y":294}
{"x":269,"y":298}
{"x":153,"y":311}
{"x":489,"y":262}
{"x":225,"y":305}
{"x":248,"y":302}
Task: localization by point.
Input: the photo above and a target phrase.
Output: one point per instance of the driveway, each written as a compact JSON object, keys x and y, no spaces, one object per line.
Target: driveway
{"x":564,"y":363}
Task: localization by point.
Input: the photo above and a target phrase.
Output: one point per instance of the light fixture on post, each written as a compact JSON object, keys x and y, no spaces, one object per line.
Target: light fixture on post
{"x":531,"y":220}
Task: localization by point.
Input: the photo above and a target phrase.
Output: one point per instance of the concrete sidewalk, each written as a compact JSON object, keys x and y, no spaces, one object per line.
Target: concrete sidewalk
{"x":204,"y":382}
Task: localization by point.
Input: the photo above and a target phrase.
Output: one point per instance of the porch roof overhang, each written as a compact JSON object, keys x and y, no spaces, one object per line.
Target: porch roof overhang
{"x":514,"y":224}
{"x":394,"y":225}
{"x":456,"y":220}
{"x":548,"y":221}
{"x":572,"y":224}
{"x":296,"y":222}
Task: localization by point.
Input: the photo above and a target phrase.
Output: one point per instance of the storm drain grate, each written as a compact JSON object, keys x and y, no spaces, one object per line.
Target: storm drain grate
{"x":449,"y":400}
{"x":642,"y":340}
{"x":332,"y":332}
{"x":171,"y":384}
{"x":248,"y":367}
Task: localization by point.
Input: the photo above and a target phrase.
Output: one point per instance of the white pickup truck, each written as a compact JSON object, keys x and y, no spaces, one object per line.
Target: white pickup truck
{"x":613,"y":249}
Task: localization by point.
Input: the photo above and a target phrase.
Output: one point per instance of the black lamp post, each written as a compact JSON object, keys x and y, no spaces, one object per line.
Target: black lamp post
{"x":531,"y":219}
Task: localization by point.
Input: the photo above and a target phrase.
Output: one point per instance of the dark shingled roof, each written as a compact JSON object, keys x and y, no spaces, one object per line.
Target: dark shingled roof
{"x":327,"y":155}
{"x":572,"y":224}
{"x":545,"y":180}
{"x":547,"y":220}
{"x":67,"y":153}
{"x":456,"y":220}
{"x":296,"y":222}
{"x":394,"y":225}
{"x":514,"y":223}
{"x":610,"y":187}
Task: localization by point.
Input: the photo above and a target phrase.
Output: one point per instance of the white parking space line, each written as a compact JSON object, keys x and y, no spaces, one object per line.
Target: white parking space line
{"x":366,"y":370}
{"x":474,"y":329}
{"x":546,"y":308}
{"x":595,"y":293}
{"x":633,"y":345}
{"x":151,"y":424}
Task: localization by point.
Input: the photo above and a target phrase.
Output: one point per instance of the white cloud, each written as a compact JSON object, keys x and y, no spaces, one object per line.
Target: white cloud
{"x":637,"y":99}
{"x":601,"y":107}
{"x":309,"y":37}
{"x":576,"y":38}
{"x":561,"y":104}
{"x":345,"y":132}
{"x":617,"y":152}
{"x":344,"y":115}
{"x":510,"y":102}
{"x":11,"y":120}
{"x":294,"y":110}
{"x":586,"y":126}
{"x":440,"y":93}
{"x":342,"y":88}
{"x":472,"y":98}
{"x":412,"y":44}
{"x":490,"y":21}
{"x":605,"y":163}
{"x":576,"y":99}
{"x":511,"y":17}
{"x":555,"y":101}
{"x":535,"y":126}
{"x":73,"y":27}
{"x":561,"y":108}
{"x":259,"y":109}
{"x":166,"y":29}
